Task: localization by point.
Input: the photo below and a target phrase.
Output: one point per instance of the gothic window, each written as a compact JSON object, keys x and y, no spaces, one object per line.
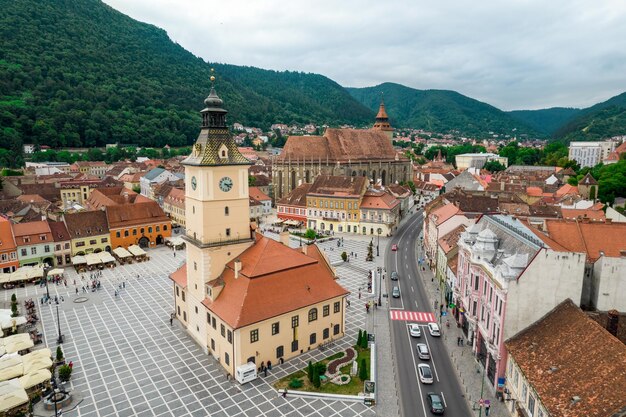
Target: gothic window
{"x":383,"y":177}
{"x":307,"y":176}
{"x":293,"y":179}
{"x":354,"y":173}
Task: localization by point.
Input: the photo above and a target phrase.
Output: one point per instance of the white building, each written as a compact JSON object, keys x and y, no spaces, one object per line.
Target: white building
{"x":155,"y":176}
{"x":590,"y":154}
{"x":478,"y":160}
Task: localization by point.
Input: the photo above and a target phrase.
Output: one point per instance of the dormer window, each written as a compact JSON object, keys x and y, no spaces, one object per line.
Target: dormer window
{"x":223,"y":152}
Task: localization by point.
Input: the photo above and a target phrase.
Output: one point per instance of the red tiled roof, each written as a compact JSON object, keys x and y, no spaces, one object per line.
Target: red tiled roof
{"x":566,"y":189}
{"x":450,"y":240}
{"x":597,"y":215}
{"x":31,"y":229}
{"x":566,"y":354}
{"x":297,"y":197}
{"x":379,"y":200}
{"x":258,"y":195}
{"x":272,"y":271}
{"x":180,"y":276}
{"x":6,"y":235}
{"x":444,"y":213}
{"x":534,"y":191}
{"x":147,"y":212}
{"x":32,"y":198}
{"x":59,"y":231}
{"x":328,"y":185}
{"x":86,"y":223}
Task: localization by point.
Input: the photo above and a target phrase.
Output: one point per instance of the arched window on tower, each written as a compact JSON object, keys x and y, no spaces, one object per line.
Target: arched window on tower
{"x":354,"y":173}
{"x":293,"y":179}
{"x":383,"y":177}
{"x":374,"y":176}
{"x":307,"y":176}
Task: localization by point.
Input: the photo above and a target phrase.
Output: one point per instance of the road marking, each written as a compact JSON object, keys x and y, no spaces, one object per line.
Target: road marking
{"x":443,"y":398}
{"x":417,"y":378}
{"x":432,"y":359}
{"x":419,"y":316}
{"x":412,"y":290}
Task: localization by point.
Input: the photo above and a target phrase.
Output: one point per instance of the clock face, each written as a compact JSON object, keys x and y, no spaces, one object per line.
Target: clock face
{"x":226,"y":184}
{"x":194,"y":183}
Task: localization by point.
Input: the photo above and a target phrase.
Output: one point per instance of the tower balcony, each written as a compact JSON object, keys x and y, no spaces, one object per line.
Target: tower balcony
{"x":216,"y":242}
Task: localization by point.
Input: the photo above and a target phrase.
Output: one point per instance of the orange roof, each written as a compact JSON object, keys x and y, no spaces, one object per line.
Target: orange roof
{"x":180,"y":276}
{"x":588,"y":237}
{"x":566,"y":354}
{"x":272,"y":271}
{"x":22,"y":230}
{"x":566,"y":189}
{"x":444,"y":213}
{"x":534,"y":191}
{"x":621,"y":148}
{"x":450,"y":240}
{"x":379,"y":200}
{"x":382,"y":113}
{"x":136,"y":214}
{"x":597,"y":215}
{"x":32,"y":198}
{"x":257,"y":194}
{"x":6,"y":235}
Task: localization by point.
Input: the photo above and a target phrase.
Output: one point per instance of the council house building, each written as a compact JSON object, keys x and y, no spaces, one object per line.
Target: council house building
{"x":241,"y":296}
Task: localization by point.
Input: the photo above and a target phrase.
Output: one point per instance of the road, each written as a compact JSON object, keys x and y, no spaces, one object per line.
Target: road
{"x":413,"y":401}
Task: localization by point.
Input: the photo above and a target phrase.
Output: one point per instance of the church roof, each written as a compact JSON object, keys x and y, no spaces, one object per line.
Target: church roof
{"x":274,"y":280}
{"x":382,"y":114}
{"x":588,"y":180}
{"x":339,"y":145}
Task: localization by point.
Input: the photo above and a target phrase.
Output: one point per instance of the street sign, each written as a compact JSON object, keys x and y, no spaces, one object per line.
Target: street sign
{"x":444,"y":313}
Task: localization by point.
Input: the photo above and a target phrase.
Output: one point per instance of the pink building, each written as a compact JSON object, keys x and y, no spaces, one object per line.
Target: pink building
{"x":507,"y":279}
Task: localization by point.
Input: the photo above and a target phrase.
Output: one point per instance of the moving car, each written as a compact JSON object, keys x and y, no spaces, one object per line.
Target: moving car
{"x":422,"y":351}
{"x":433,"y":329}
{"x":395,"y":292}
{"x":394,"y":275}
{"x":426,"y":375}
{"x":434,"y":403}
{"x":414,"y":330}
{"x":394,"y":247}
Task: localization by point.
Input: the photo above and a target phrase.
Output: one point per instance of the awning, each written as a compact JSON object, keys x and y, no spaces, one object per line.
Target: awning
{"x":106,"y":257}
{"x":8,"y":322}
{"x":175,"y":241}
{"x":18,"y":342}
{"x":93,"y":259}
{"x":79,"y":260}
{"x":121,"y":253}
{"x":56,"y":271}
{"x":12,"y":395}
{"x":136,"y":250}
{"x":34,"y":363}
{"x":35,"y":378}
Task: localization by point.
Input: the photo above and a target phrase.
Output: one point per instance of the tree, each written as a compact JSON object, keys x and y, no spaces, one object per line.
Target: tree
{"x":316,"y":377}
{"x":59,"y":354}
{"x":251,"y":180}
{"x":363,"y":374}
{"x":310,"y":234}
{"x":309,"y":371}
{"x":344,"y":256}
{"x":592,"y":192}
{"x":494,"y":166}
{"x":65,"y":373}
{"x":364,"y":340}
{"x":359,"y":337}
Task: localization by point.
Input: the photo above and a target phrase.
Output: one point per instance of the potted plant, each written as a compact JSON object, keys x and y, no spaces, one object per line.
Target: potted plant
{"x":65,"y":373}
{"x":60,"y":355}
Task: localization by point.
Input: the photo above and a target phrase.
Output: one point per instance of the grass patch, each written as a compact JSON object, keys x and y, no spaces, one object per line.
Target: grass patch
{"x":353,"y":388}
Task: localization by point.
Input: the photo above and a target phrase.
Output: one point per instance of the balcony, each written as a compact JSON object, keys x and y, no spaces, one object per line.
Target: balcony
{"x":216,"y":242}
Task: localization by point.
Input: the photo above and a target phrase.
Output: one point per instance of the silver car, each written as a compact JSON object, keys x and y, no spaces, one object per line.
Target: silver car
{"x":422,"y":351}
{"x":395,"y":292}
{"x":426,"y":375}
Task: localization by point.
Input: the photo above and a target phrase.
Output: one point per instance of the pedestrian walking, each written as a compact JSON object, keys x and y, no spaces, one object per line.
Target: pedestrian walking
{"x":115,"y":293}
{"x":123,"y":284}
{"x":171,"y":320}
{"x":76,"y":290}
{"x":285,"y":393}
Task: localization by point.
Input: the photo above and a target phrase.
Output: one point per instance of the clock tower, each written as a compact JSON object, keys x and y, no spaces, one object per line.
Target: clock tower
{"x":217,"y":213}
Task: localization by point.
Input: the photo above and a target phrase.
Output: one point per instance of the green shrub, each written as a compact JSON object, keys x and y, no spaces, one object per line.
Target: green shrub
{"x":344,"y":256}
{"x":13,"y":298}
{"x":65,"y":372}
{"x":14,"y":312}
{"x":309,"y":371}
{"x":316,"y":378}
{"x":359,"y":337}
{"x":296,"y":383}
{"x":321,"y":368}
{"x":59,"y":353}
{"x":363,"y":374}
{"x":364,"y":340}
{"x":310,"y":234}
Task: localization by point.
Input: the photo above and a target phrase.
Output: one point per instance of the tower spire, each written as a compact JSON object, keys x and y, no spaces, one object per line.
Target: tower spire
{"x":382,"y":120}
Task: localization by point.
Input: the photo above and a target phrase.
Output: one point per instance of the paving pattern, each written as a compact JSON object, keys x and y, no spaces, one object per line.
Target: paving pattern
{"x":129,"y":361}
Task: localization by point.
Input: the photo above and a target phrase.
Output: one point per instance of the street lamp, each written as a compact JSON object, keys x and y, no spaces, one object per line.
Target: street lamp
{"x":380,"y":288}
{"x":378,"y":244}
{"x":60,"y":339}
{"x":46,"y":268}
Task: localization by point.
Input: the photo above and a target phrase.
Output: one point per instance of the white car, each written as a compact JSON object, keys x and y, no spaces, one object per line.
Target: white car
{"x":426,"y":375}
{"x":433,"y":329}
{"x":414,"y":330}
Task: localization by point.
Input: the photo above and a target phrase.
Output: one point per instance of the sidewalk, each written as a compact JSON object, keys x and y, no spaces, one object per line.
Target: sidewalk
{"x":467,"y":367}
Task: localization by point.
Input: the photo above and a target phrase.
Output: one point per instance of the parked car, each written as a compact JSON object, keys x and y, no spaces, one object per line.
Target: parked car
{"x":422,"y":351}
{"x":394,"y":247}
{"x":394,"y":275}
{"x":426,"y":375}
{"x":414,"y":330}
{"x":434,"y":403}
{"x":395,"y":293}
{"x":433,"y":329}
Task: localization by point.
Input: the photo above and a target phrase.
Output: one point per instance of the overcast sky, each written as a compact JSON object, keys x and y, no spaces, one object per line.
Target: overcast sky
{"x":512,"y":54}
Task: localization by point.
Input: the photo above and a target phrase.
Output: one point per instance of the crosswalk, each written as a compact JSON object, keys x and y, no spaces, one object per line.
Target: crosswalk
{"x":412,"y":316}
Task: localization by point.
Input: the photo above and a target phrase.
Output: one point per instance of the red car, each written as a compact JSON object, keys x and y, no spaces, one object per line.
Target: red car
{"x":394,"y":247}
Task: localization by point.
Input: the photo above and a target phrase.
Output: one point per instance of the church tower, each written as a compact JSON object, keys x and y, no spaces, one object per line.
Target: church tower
{"x":216,"y":209}
{"x":382,"y":120}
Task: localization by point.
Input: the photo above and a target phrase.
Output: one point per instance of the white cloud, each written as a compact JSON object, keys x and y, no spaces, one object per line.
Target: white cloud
{"x":513,"y":54}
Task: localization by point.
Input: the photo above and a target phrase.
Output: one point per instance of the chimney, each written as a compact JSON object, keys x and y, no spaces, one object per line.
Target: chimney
{"x":237,"y":267}
{"x":612,"y":323}
{"x":284,"y":237}
{"x":609,"y":221}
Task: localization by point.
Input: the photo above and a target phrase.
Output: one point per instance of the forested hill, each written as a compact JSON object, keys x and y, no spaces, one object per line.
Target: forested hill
{"x":597,"y":122}
{"x":79,"y":73}
{"x":440,"y":111}
{"x":546,"y":121}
